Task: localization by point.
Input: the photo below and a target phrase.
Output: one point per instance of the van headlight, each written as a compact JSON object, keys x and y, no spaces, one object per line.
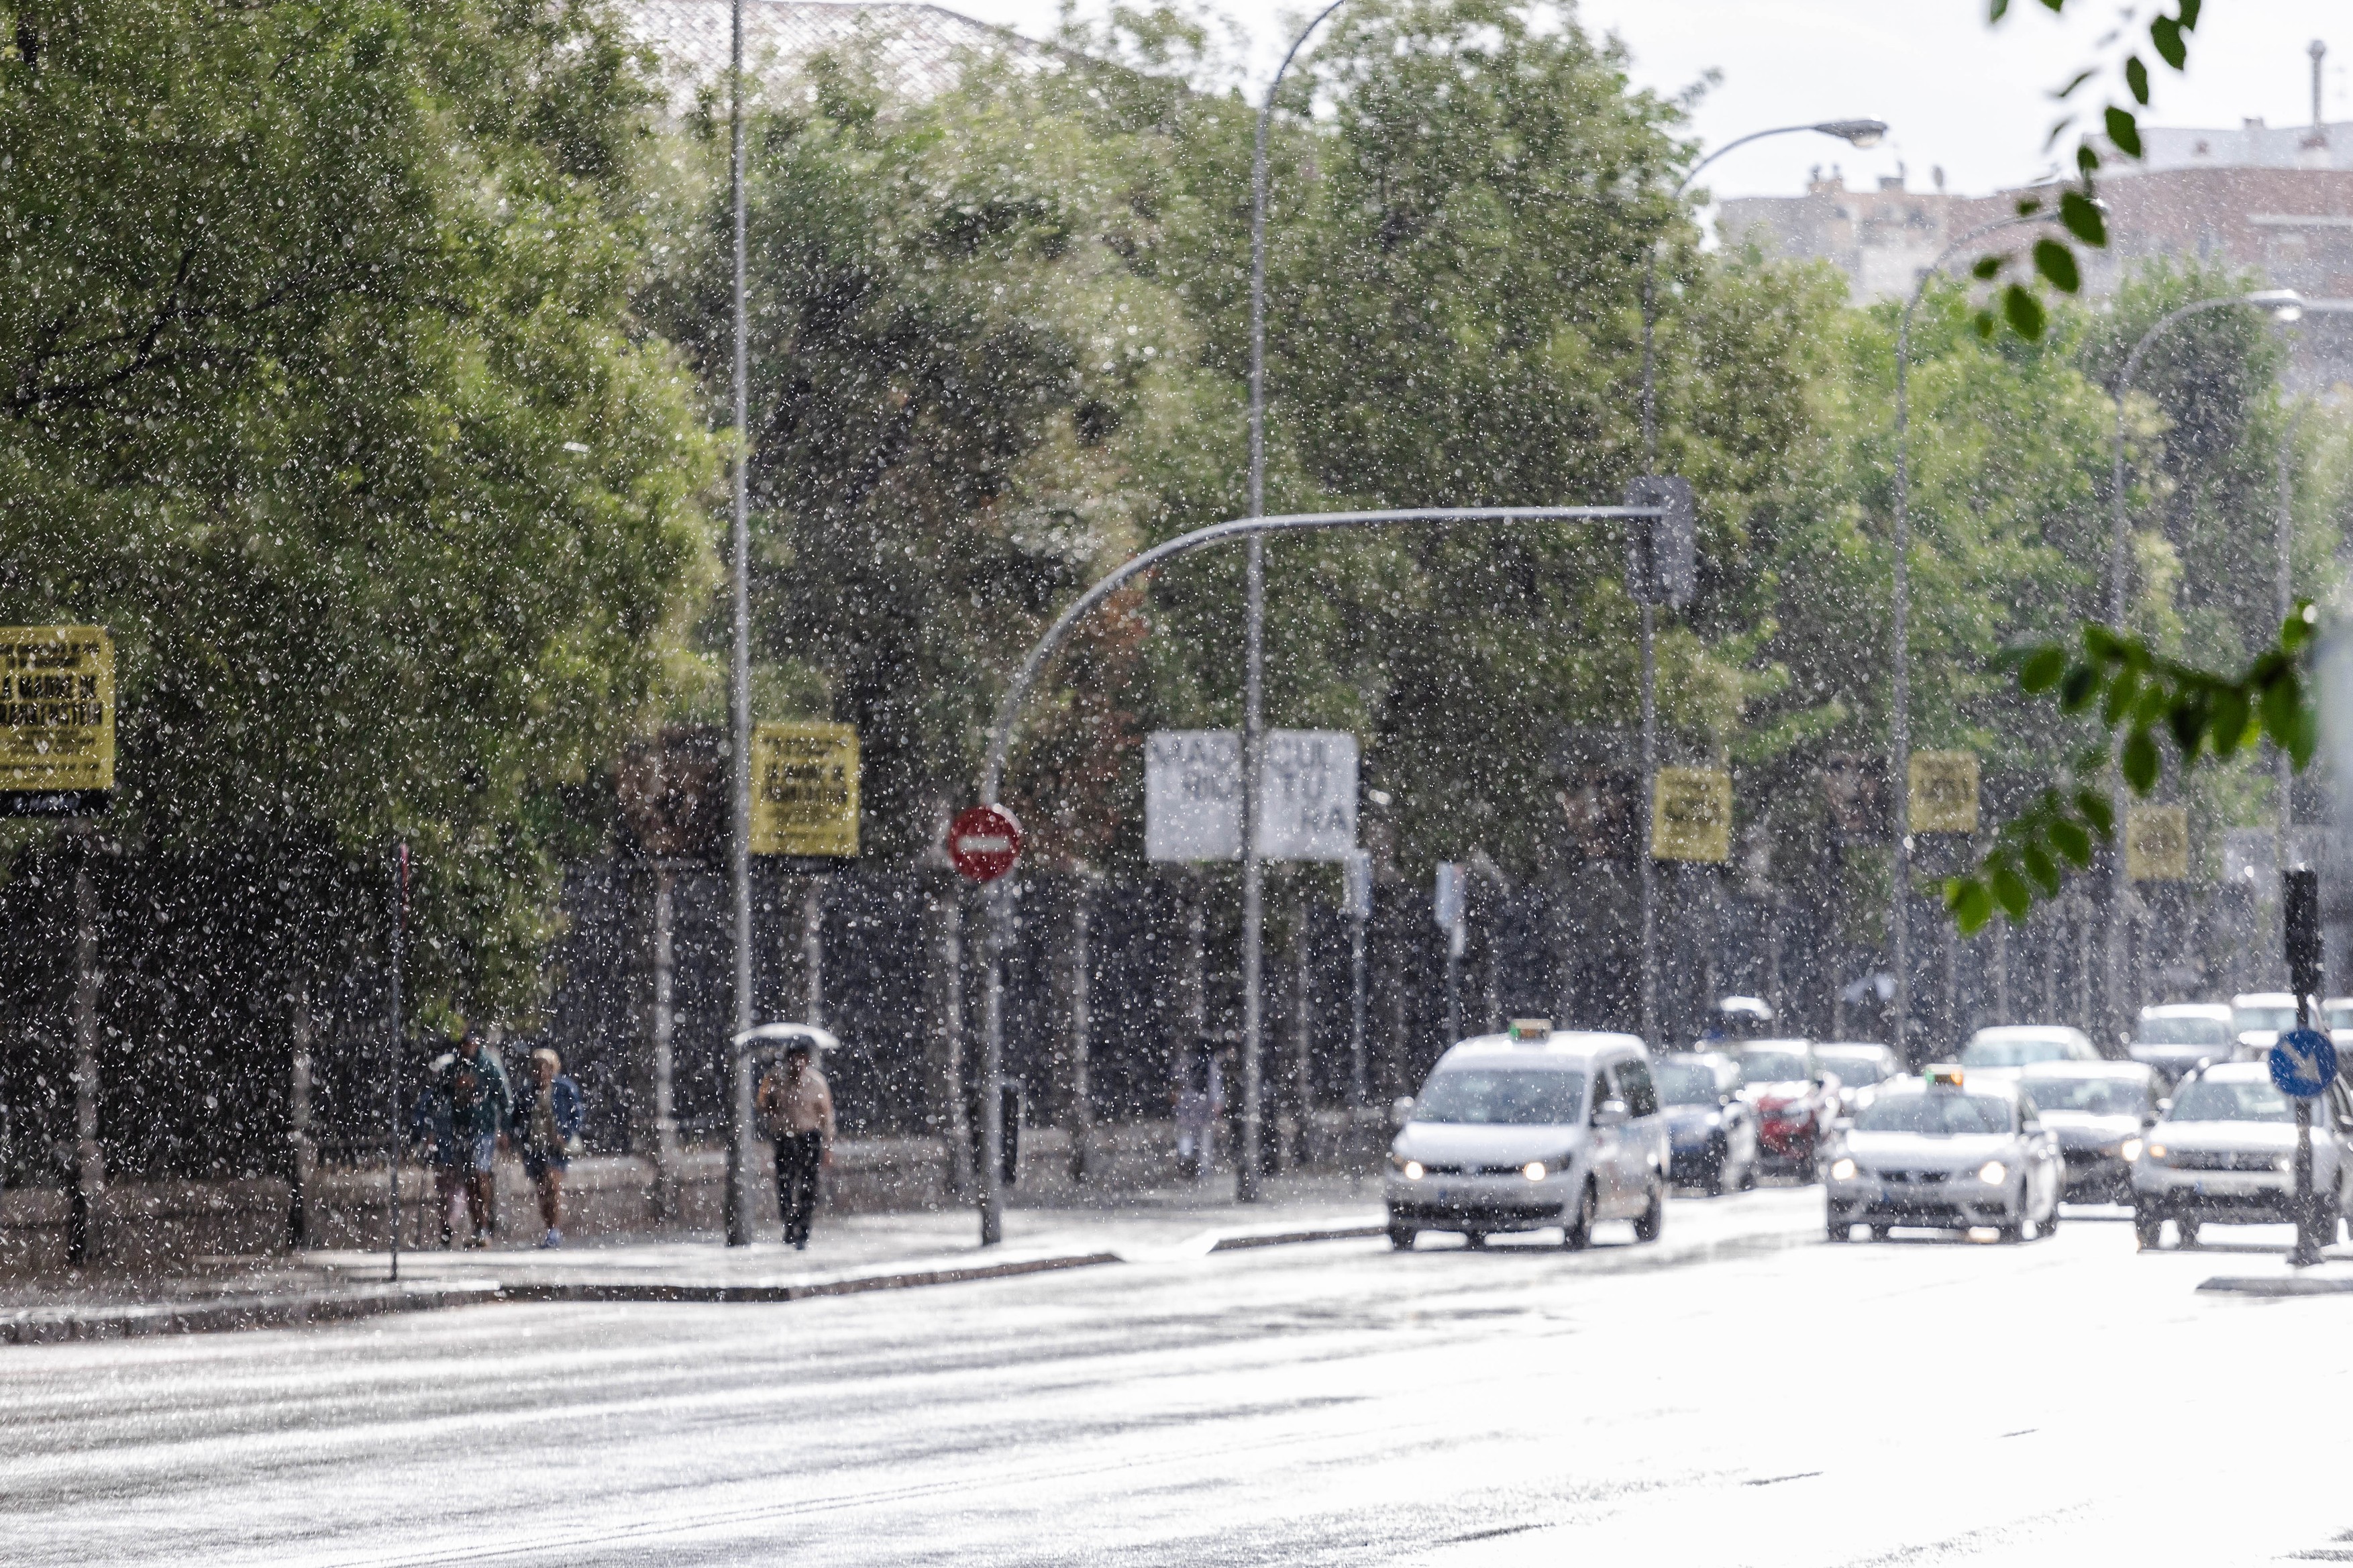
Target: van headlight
{"x":1993,"y":1173}
{"x":1843,"y":1170}
{"x":2130,"y":1150}
{"x":1534,"y":1169}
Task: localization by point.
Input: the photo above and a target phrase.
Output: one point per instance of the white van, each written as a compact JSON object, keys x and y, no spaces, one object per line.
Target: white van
{"x":1530,"y":1130}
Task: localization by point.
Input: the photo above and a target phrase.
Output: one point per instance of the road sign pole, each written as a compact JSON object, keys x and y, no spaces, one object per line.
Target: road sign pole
{"x":2300,"y":905}
{"x":996,"y":903}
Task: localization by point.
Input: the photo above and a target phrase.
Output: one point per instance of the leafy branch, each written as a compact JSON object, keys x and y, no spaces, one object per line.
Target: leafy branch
{"x":2079,"y":213}
{"x":2147,"y":699}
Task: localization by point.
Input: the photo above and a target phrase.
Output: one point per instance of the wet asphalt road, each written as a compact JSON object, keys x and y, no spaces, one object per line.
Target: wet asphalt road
{"x":1749,"y":1396}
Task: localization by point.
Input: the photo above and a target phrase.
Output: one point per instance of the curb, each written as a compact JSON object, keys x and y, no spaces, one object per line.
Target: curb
{"x":59,"y":1325}
{"x":2274,"y":1285}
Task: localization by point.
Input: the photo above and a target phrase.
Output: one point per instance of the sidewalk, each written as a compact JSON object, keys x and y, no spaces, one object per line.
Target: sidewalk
{"x":847,"y":1254}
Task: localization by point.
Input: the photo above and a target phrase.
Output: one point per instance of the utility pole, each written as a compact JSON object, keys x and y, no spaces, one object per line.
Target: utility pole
{"x":739,"y":664}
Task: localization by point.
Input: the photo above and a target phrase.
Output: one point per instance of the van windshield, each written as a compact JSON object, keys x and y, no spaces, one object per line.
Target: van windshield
{"x":1504,"y":1097}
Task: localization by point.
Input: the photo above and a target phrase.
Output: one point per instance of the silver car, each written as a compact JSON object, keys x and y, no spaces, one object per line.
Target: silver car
{"x":2225,"y":1152}
{"x":1524,"y":1134}
{"x":2101,"y":1112}
{"x":2257,"y":1017}
{"x":2177,"y":1035}
{"x":1945,"y":1151}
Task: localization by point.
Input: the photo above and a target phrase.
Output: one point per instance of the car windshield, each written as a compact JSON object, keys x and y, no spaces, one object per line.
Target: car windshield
{"x":1686,"y":1082}
{"x":2250,"y":1099}
{"x":2274,"y":1019}
{"x":1773,"y":1067}
{"x":1503,"y":1097}
{"x":1854,"y":1070}
{"x":2014,"y":1051}
{"x":1935,"y":1115}
{"x":2184,"y":1032}
{"x":2091,"y":1096}
{"x":2337,"y":1016}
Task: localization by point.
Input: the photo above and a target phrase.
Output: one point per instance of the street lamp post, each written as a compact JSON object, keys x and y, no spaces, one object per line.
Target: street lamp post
{"x":2286,"y":305}
{"x":1253,"y":1127}
{"x":1899,"y":738}
{"x":1862,"y":134}
{"x":739,"y":669}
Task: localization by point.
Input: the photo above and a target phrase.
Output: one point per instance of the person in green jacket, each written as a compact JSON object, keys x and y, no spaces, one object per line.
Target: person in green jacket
{"x":474,"y":1086}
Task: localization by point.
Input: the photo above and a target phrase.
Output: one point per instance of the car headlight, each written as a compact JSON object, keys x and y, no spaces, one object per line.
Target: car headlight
{"x":2130,"y":1150}
{"x":1534,"y":1169}
{"x":1842,"y":1171}
{"x":1715,"y":1119}
{"x":1410,"y":1168}
{"x":1993,"y":1173}
{"x":2161,"y":1153}
{"x":2284,"y":1163}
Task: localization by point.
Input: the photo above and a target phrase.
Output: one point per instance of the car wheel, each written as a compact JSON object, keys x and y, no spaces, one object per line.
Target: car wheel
{"x":1882,"y":1232}
{"x":2050,"y":1224}
{"x":1400,"y":1238}
{"x":1576,"y":1228}
{"x":1807,"y":1168}
{"x":2185,"y":1234}
{"x":1749,"y":1175}
{"x":1711,"y":1180}
{"x":1474,"y":1239}
{"x":1840,"y":1232}
{"x":2148,"y":1230}
{"x":2010,"y":1234}
{"x":1653,"y":1218}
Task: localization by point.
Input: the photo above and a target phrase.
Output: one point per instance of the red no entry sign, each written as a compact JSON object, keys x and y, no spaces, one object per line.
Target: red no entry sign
{"x":984,"y":841}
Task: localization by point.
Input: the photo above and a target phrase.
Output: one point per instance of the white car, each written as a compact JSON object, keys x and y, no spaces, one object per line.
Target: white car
{"x":2001,"y":1051}
{"x":2257,"y":1017}
{"x":1948,"y":1151}
{"x":2177,"y":1035}
{"x":1527,"y":1131}
{"x":2225,"y":1152}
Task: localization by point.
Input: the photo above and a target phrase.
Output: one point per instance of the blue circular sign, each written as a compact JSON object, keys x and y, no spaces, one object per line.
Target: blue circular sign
{"x":2303,"y":1062}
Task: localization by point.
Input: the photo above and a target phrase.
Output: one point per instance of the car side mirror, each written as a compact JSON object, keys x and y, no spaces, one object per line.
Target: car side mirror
{"x":1610,"y":1113}
{"x":1401,"y":1110}
{"x":2164,"y":1107}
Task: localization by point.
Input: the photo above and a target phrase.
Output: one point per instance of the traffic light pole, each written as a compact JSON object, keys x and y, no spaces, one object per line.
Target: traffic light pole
{"x":1650,"y":558}
{"x":2300,"y":907}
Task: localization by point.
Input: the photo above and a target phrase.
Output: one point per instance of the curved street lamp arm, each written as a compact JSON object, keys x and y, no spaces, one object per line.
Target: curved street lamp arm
{"x":1008,"y":710}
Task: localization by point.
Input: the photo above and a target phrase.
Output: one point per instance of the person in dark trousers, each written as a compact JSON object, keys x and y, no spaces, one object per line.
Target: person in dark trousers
{"x":796,"y":1107}
{"x":548,"y":1113}
{"x":480,"y":1105}
{"x":430,"y":1124}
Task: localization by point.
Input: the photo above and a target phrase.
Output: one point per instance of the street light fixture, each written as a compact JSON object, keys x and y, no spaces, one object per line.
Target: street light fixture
{"x":1899,"y":747}
{"x":1860,"y":134}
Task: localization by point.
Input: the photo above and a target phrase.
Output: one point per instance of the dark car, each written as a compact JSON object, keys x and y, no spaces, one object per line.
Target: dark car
{"x":1711,"y":1130}
{"x":1781,"y":1081}
{"x":2102,"y":1112}
{"x":1860,"y":1068}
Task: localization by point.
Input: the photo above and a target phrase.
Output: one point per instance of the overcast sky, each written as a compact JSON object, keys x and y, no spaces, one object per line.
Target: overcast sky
{"x":1958,"y":94}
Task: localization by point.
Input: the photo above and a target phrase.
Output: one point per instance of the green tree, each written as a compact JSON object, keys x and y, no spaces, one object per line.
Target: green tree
{"x":322,"y":390}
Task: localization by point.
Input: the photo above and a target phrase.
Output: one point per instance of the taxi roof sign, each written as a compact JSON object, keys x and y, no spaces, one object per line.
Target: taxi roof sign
{"x":1531,"y":1029}
{"x":1944,"y":1075}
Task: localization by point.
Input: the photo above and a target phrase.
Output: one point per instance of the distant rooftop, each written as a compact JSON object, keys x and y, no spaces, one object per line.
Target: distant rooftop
{"x":921,"y":48}
{"x":2253,"y":146}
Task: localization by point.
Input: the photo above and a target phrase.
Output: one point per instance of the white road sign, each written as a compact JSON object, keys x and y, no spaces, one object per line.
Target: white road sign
{"x":1193,"y":798}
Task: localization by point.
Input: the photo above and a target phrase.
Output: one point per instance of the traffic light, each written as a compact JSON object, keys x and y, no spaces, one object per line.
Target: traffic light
{"x":1663,"y":554}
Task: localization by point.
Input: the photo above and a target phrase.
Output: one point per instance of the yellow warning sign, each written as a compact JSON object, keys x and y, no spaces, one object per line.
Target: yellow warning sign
{"x":56,"y":714}
{"x":2156,"y":843}
{"x":803,"y":789}
{"x":1944,"y":794}
{"x":1690,"y":815}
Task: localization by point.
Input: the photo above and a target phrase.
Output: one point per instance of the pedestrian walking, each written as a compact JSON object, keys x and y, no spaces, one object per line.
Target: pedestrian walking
{"x":431,"y":1126}
{"x":548,"y":1111}
{"x":480,"y":1105}
{"x":1198,"y":1097}
{"x":795,"y":1107}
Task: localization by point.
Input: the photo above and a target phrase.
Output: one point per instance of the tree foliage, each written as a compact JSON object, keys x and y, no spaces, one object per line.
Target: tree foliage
{"x":322,"y":390}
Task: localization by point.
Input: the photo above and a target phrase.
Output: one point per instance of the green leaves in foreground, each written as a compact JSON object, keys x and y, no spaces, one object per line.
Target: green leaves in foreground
{"x":2142,"y":701}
